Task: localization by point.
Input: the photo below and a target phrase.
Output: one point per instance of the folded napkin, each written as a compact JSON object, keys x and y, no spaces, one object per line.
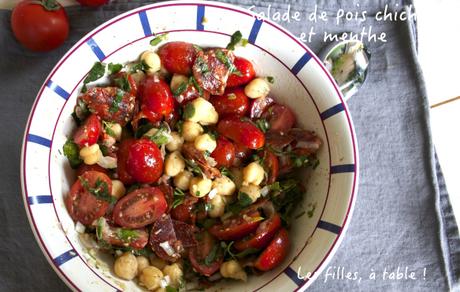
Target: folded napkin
{"x":402,"y":235}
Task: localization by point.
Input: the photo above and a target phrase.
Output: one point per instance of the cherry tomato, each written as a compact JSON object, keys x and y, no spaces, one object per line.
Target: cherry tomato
{"x":83,"y":206}
{"x":275,"y":252}
{"x":232,"y":102}
{"x":261,"y":238}
{"x":93,"y":3}
{"x":280,"y":117}
{"x":272,"y":164}
{"x":237,"y":226}
{"x":198,"y":255}
{"x":122,"y":158}
{"x":88,"y":133}
{"x":224,"y":154}
{"x":242,"y":132}
{"x":246,"y":69}
{"x":184,"y":212}
{"x":40,"y":25}
{"x":114,"y":236}
{"x":156,"y":98}
{"x":241,"y":154}
{"x":132,"y":83}
{"x":139,"y":208}
{"x":95,"y":167}
{"x":144,"y":162}
{"x":177,"y":57}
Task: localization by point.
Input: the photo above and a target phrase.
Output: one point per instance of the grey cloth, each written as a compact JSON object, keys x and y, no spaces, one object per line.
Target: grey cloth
{"x":402,"y":215}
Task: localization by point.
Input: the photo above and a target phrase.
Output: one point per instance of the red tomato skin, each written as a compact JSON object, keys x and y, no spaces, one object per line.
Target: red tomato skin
{"x":156,"y":98}
{"x":280,"y":117}
{"x":199,"y":253}
{"x":177,"y":57}
{"x":88,"y":133}
{"x":275,"y":252}
{"x":84,"y":206}
{"x":246,"y":69}
{"x":122,"y":158}
{"x":39,"y":29}
{"x":144,"y":162}
{"x":224,"y":154}
{"x":233,"y":102}
{"x":241,"y":132}
{"x":236,"y":228}
{"x":263,"y":235}
{"x":184,"y":212}
{"x":93,"y":3}
{"x":139,"y":208}
{"x":272,"y":164}
{"x":95,"y":167}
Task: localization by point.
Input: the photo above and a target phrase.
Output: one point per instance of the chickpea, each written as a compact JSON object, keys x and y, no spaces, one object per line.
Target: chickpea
{"x":252,"y":191}
{"x":142,"y":263}
{"x":203,"y":112}
{"x":114,"y":129}
{"x":257,"y":88}
{"x":237,"y":174}
{"x":191,"y":130}
{"x":118,"y":189}
{"x":182,"y":180}
{"x":253,"y":173}
{"x":217,"y":207}
{"x":90,"y":154}
{"x":176,"y":142}
{"x":152,"y":60}
{"x":175,"y":274}
{"x":205,"y":142}
{"x":125,"y":266}
{"x":150,"y":277}
{"x":224,"y":186}
{"x":174,"y":164}
{"x":232,"y":269}
{"x":200,"y":186}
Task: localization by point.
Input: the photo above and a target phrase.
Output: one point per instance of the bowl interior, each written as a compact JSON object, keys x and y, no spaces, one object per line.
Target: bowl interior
{"x":300,"y":82}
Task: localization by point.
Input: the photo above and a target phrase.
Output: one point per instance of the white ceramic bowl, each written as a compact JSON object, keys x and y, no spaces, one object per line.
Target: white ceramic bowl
{"x":301,"y":82}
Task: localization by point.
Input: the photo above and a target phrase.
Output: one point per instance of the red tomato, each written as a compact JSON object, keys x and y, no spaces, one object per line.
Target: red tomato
{"x":241,"y":132}
{"x":241,"y":154}
{"x":184,"y":212}
{"x":40,"y":25}
{"x":275,"y":252}
{"x":156,"y":98}
{"x":246,"y":69}
{"x":82,"y":205}
{"x":280,"y":117}
{"x":232,"y":102}
{"x":177,"y":57}
{"x":95,"y":167}
{"x":237,"y":226}
{"x":224,"y":154}
{"x":122,"y":158}
{"x":272,"y":164}
{"x":264,"y":233}
{"x":139,"y":208}
{"x":132,"y":83}
{"x":93,"y":3}
{"x":144,"y":162}
{"x":197,"y":255}
{"x":111,"y":235}
{"x":88,"y":133}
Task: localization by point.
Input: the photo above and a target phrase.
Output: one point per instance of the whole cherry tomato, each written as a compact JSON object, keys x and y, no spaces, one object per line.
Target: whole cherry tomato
{"x":122,"y":158}
{"x":280,"y":117}
{"x":40,"y":25}
{"x":275,"y":252}
{"x":232,"y":102}
{"x":177,"y":57}
{"x":246,"y":72}
{"x":144,"y":162}
{"x":156,"y":98}
{"x":93,"y":3}
{"x":88,"y":133}
{"x":242,"y":132}
{"x":224,"y":154}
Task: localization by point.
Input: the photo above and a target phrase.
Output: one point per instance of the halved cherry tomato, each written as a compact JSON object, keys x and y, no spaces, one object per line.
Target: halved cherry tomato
{"x":224,"y":154}
{"x":237,"y":226}
{"x":177,"y":57}
{"x":184,"y":212}
{"x":135,"y":238}
{"x":242,"y":132}
{"x":233,"y":102}
{"x":261,"y":238}
{"x":280,"y":117}
{"x":122,"y":158}
{"x":197,"y":255}
{"x":144,"y":162}
{"x":83,"y":206}
{"x":246,"y":69}
{"x":88,"y":133}
{"x":275,"y":252}
{"x":272,"y":165}
{"x":95,"y":167}
{"x":139,"y":208}
{"x":156,"y":98}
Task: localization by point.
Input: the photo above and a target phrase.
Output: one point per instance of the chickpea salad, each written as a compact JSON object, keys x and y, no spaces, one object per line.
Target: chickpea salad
{"x":185,"y":167}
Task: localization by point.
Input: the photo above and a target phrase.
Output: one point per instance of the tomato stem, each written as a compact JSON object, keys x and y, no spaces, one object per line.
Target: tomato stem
{"x":50,"y":5}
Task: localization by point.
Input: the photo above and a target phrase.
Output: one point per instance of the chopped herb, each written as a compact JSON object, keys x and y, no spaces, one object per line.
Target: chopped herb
{"x":197,"y":48}
{"x":263,"y":125}
{"x":285,"y":196}
{"x":127,"y":235}
{"x":189,"y":111}
{"x":114,"y":107}
{"x":311,"y":211}
{"x":300,"y":215}
{"x":202,"y":65}
{"x":104,"y":149}
{"x":180,"y":89}
{"x":142,"y":129}
{"x":123,"y":83}
{"x":211,"y":257}
{"x":161,"y":136}
{"x":195,"y":84}
{"x":178,"y":126}
{"x":228,"y":251}
{"x":158,"y":39}
{"x":100,"y":190}
{"x":231,"y":96}
{"x":207,"y":206}
{"x":141,"y":66}
{"x":179,"y":197}
{"x":72,"y":153}
{"x":193,"y":167}
{"x":99,"y":227}
{"x":206,"y":153}
{"x":96,"y":72}
{"x":244,"y":199}
{"x":108,"y":129}
{"x":271,"y":79}
{"x":171,"y":289}
{"x":234,"y":40}
{"x":212,"y":133}
{"x":223,"y":58}
{"x":114,"y":68}
{"x":225,"y":171}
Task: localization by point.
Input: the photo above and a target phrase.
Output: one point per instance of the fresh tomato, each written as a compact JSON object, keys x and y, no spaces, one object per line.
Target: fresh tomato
{"x":95,"y":167}
{"x":82,"y":203}
{"x":135,"y":238}
{"x":224,"y":154}
{"x":237,"y":226}
{"x":177,"y":57}
{"x":264,"y":233}
{"x":242,"y":132}
{"x":275,"y":252}
{"x":40,"y":25}
{"x":184,"y":212}
{"x":93,"y":3}
{"x":156,"y":98}
{"x":280,"y":117}
{"x":88,"y":133}
{"x":200,"y":256}
{"x":139,"y":208}
{"x":144,"y":162}
{"x":272,"y":165}
{"x":233,"y":102}
{"x":246,"y":69}
{"x":122,"y":158}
